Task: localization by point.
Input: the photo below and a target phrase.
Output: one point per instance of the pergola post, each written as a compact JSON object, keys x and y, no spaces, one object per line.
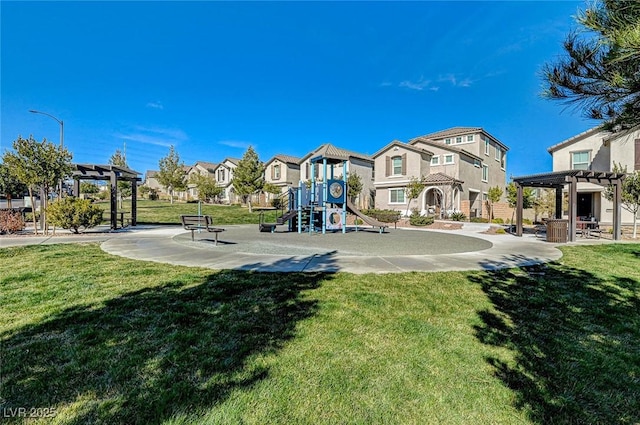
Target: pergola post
{"x":134,"y":203}
{"x":76,"y":188}
{"x":519,"y":206}
{"x":617,"y":216}
{"x":559,"y":202}
{"x":573,"y":207}
{"x":113,"y":181}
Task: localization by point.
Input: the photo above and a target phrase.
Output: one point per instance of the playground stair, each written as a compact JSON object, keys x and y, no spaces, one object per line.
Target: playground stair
{"x":286,"y":217}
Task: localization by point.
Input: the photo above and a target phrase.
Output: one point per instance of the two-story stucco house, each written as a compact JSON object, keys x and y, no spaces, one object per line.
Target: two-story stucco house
{"x":396,"y":164}
{"x":598,"y":150}
{"x":464,"y":162}
{"x":223,"y":173}
{"x":357,"y":163}
{"x":202,"y":168}
{"x":282,"y":171}
{"x":151,"y":181}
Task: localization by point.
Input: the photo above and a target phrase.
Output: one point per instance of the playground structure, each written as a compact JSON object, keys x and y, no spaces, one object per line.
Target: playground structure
{"x":318,"y":206}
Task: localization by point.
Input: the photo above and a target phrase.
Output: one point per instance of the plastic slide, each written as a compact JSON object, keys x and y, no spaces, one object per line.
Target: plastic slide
{"x":369,"y":220}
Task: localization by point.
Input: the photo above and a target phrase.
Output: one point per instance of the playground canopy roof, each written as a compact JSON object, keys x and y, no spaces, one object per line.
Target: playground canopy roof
{"x":333,"y":153}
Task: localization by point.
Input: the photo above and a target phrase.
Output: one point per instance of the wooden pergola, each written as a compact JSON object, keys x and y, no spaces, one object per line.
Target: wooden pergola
{"x":558,"y":180}
{"x":113,"y":174}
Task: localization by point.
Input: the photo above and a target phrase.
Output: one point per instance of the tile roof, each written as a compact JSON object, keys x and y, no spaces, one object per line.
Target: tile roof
{"x":574,"y":139}
{"x":209,"y":166}
{"x":288,"y":159}
{"x":403,"y":145}
{"x":459,"y":131}
{"x":441,"y":145}
{"x":440,"y":178}
{"x":450,"y":132}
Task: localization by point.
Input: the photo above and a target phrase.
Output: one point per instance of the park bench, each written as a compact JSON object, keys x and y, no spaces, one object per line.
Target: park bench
{"x":200,"y":222}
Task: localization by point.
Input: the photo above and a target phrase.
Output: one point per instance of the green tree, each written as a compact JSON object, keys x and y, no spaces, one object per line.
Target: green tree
{"x":354,"y":186}
{"x":144,"y":191}
{"x":528,"y":198}
{"x":38,"y":165}
{"x":89,"y":188}
{"x":413,"y":190}
{"x":124,"y":188}
{"x":248,"y":177}
{"x":172,"y":174}
{"x":493,"y":195}
{"x":207,"y":187}
{"x":599,"y":73}
{"x":9,"y":184}
{"x":630,"y":193}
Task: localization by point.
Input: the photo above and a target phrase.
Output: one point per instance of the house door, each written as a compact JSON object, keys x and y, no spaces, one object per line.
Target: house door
{"x":585,"y":204}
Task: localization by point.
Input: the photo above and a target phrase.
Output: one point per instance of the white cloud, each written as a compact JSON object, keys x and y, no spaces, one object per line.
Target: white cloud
{"x":417,"y":85}
{"x":155,"y":105}
{"x":236,"y":144}
{"x":154,"y":136}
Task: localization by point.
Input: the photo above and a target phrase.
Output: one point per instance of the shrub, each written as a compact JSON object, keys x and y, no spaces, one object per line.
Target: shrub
{"x":73,"y":213}
{"x":385,"y":216}
{"x":11,"y":221}
{"x":458,"y":216}
{"x":417,"y":220}
{"x":153,"y":195}
{"x":497,"y":221}
{"x":277,"y":203}
{"x":358,"y":222}
{"x":479,"y":220}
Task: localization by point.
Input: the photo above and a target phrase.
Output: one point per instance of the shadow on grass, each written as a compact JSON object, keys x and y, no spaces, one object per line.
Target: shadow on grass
{"x":147,"y":355}
{"x":576,"y":340}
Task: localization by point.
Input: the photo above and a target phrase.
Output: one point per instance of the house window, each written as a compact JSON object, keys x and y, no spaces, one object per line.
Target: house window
{"x":435,"y":160}
{"x":459,"y":139}
{"x":498,"y":153}
{"x":485,"y":196}
{"x":448,"y":159}
{"x":485,"y":172}
{"x":476,"y":163}
{"x":486,"y":147}
{"x":447,"y":141}
{"x":276,"y":172}
{"x":396,"y":196}
{"x":470,"y":138}
{"x":503,"y":160}
{"x":396,"y":165}
{"x":580,"y":160}
{"x":220,"y":175}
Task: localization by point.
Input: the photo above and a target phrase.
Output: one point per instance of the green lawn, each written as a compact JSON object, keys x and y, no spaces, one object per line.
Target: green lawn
{"x":163,"y":212}
{"x":103,"y":339}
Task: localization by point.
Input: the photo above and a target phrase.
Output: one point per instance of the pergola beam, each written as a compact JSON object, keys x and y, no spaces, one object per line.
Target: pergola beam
{"x":113,"y":174}
{"x":559,"y":179}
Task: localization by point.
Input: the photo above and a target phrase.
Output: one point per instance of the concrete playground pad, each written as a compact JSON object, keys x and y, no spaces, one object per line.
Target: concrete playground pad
{"x":243,"y":247}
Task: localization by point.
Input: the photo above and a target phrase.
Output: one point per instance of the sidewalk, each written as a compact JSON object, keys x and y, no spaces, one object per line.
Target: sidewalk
{"x":242,"y":247}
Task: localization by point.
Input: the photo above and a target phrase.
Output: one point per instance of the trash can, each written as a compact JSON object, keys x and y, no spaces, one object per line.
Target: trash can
{"x":557,"y":230}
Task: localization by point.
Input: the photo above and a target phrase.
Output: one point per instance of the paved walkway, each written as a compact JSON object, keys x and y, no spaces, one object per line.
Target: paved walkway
{"x":242,"y":247}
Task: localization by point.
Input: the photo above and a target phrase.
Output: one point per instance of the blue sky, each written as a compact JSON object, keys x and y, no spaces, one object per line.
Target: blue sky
{"x":212,"y":78}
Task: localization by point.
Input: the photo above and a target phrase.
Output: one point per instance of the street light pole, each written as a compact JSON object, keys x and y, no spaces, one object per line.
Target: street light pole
{"x":61,"y":139}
